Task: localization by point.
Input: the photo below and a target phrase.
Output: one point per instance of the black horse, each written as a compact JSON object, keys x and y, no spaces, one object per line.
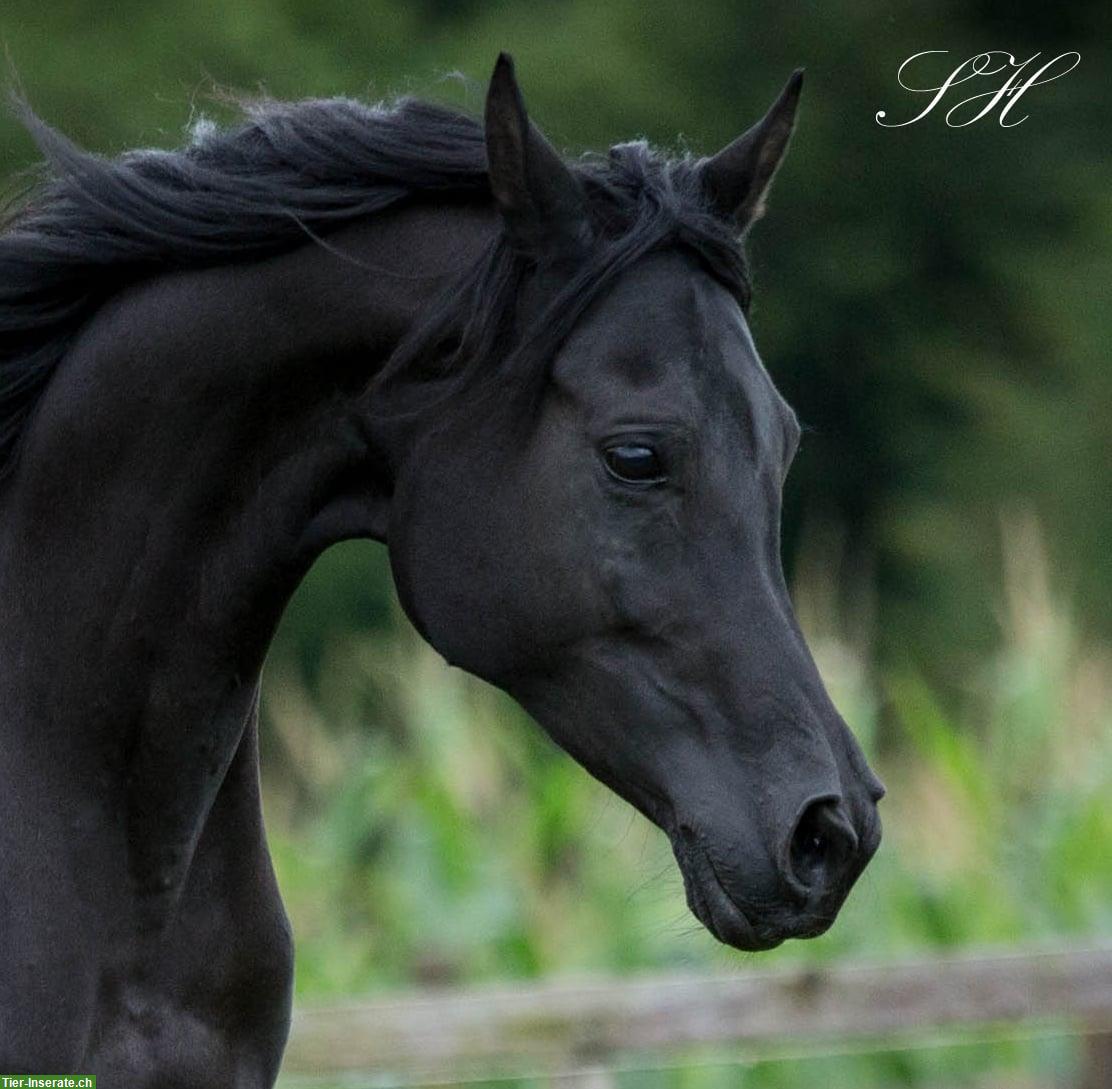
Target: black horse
{"x":533,"y":380}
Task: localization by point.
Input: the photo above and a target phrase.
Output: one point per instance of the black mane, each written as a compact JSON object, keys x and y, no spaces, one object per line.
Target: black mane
{"x":292,"y":172}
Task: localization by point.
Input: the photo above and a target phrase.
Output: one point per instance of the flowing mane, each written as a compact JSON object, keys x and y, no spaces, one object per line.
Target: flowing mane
{"x":294,"y":172}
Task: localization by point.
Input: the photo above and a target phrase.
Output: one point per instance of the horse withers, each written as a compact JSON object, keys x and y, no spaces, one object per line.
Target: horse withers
{"x":533,"y":380}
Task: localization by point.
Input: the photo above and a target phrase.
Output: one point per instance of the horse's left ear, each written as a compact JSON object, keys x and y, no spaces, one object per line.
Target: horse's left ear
{"x":737,"y":179}
{"x":541,"y":201}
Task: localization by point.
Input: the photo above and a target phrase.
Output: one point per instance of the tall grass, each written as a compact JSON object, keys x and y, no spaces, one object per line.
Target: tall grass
{"x":424,"y":830}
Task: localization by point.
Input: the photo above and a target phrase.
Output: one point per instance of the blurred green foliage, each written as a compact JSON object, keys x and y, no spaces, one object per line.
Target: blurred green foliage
{"x":933,"y":301}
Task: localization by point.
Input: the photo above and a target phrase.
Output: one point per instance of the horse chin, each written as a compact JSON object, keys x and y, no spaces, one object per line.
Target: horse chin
{"x":713,"y":906}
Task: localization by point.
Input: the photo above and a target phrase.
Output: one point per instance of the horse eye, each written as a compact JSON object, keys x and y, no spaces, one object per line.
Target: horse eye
{"x":634,"y":464}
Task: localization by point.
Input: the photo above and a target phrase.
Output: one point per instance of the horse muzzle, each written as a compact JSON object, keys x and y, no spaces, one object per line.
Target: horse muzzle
{"x":794,"y":891}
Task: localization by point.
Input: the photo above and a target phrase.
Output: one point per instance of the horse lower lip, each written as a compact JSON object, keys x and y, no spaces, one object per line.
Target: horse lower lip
{"x":725,"y":919}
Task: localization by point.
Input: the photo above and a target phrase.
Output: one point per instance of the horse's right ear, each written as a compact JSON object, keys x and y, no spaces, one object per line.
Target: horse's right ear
{"x":541,"y":200}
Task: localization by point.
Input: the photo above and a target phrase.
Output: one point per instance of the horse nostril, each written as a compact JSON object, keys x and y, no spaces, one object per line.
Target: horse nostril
{"x":821,"y":845}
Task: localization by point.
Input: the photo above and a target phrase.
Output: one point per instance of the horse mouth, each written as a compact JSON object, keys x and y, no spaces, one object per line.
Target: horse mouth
{"x":712,"y":905}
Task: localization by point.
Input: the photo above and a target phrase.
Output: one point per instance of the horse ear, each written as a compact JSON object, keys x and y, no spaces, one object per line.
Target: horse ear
{"x":540,"y":199}
{"x":737,"y":179}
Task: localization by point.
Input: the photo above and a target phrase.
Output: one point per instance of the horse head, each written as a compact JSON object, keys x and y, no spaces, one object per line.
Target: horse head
{"x":595,"y":528}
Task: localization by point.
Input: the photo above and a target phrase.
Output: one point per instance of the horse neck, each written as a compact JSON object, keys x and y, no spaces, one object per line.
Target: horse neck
{"x":186,"y":465}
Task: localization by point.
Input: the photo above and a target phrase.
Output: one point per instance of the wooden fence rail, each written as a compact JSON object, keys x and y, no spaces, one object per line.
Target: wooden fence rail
{"x":574,"y":1032}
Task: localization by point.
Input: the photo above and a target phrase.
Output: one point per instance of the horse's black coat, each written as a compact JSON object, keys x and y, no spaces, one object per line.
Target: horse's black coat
{"x":534,"y":382}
